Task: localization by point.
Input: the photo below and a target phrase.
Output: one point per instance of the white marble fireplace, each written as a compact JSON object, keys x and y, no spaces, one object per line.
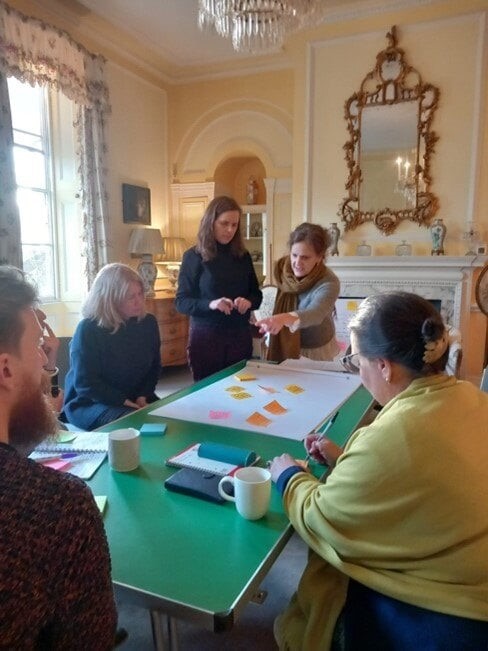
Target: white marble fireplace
{"x":443,"y":278}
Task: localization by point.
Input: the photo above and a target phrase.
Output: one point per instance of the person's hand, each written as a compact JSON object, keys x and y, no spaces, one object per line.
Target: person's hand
{"x":279,"y":464}
{"x":225,"y":305}
{"x":50,"y":344}
{"x":322,"y":449}
{"x":130,"y":403}
{"x":273,"y":324}
{"x":242,"y":305}
{"x":141,"y":402}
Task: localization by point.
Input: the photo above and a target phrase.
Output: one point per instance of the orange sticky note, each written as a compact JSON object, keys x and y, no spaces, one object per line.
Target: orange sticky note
{"x":294,"y":388}
{"x":274,"y":407}
{"x":258,"y":420}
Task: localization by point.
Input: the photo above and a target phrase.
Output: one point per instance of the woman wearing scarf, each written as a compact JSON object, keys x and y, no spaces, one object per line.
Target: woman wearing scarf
{"x":398,"y":534}
{"x":302,"y":321}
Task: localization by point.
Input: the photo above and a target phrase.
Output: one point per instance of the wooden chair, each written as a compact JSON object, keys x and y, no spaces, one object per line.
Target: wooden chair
{"x":484,"y":380}
{"x":265,"y":310}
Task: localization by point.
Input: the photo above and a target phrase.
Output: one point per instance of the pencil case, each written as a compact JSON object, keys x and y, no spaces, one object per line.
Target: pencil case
{"x":227,"y":454}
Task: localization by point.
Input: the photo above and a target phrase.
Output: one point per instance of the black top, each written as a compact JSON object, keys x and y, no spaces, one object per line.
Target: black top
{"x":201,"y":282}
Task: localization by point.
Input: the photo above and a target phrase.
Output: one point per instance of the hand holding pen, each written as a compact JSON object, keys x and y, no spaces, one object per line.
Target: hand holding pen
{"x":319,"y":447}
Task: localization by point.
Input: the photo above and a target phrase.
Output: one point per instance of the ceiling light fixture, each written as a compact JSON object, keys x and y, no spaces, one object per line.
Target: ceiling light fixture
{"x":258,"y":25}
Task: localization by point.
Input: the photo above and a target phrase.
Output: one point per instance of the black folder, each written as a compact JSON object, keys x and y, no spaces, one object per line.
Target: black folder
{"x":196,"y":483}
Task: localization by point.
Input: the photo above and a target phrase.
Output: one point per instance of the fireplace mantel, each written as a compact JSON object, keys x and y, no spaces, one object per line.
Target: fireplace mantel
{"x":447,"y":279}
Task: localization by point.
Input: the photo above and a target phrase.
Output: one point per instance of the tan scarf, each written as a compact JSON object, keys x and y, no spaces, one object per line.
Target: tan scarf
{"x":286,"y":344}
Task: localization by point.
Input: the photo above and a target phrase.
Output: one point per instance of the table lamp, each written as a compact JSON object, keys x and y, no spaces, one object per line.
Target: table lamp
{"x":146,"y":242}
{"x":174,"y":247}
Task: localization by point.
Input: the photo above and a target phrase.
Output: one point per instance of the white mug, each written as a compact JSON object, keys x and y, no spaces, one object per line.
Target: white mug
{"x":123,"y":449}
{"x":252,"y":491}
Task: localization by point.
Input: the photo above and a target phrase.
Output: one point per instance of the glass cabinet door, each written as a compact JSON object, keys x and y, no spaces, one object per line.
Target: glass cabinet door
{"x":253,"y":229}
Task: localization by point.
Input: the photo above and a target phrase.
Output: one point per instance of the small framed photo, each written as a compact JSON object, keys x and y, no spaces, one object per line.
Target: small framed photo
{"x":482,"y":248}
{"x":136,"y":204}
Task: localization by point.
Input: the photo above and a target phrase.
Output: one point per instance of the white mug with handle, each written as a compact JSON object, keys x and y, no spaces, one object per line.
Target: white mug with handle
{"x":252,"y":491}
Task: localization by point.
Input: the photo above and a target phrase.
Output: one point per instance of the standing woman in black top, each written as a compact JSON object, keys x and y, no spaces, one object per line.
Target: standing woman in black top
{"x":218,"y":289}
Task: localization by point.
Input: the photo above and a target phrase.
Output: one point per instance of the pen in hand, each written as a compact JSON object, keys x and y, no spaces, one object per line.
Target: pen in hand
{"x":330,"y":422}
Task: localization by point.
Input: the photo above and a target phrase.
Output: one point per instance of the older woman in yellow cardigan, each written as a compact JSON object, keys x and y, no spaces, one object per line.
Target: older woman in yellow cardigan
{"x":398,"y":534}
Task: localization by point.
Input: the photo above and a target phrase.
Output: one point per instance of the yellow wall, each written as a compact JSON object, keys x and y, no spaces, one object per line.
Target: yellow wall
{"x":137,"y":137}
{"x":159,"y":119}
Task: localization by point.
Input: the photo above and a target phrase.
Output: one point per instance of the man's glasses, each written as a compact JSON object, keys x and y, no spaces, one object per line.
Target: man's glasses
{"x":351,"y":362}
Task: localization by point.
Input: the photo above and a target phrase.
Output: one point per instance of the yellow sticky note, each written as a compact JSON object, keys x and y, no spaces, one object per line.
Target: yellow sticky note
{"x":274,"y":407}
{"x":351,"y":306}
{"x":294,"y":388}
{"x":234,"y":389}
{"x":258,"y":420}
{"x":244,"y":377}
{"x":242,"y":395}
{"x":65,"y":437}
{"x":101,"y":501}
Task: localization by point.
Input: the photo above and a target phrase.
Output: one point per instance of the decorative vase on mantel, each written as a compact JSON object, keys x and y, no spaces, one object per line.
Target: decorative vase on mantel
{"x":334,"y":234}
{"x":363,"y":248}
{"x":438,"y":234}
{"x":404,"y":248}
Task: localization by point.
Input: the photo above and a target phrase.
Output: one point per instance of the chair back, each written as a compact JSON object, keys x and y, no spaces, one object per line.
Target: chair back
{"x":260,"y":342}
{"x":267,"y":305}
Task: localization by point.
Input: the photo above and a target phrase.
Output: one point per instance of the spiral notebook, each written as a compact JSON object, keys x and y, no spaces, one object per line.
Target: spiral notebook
{"x":190,"y":458}
{"x":80,"y":442}
{"x":81,"y":456}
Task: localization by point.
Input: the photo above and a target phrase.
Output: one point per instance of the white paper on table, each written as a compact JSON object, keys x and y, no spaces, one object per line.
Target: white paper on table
{"x":324,"y":392}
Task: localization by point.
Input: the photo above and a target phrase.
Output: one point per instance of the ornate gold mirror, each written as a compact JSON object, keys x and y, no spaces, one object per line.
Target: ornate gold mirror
{"x":390,"y":145}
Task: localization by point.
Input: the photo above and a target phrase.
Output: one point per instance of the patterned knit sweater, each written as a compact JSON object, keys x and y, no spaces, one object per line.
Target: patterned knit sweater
{"x":55,"y":585}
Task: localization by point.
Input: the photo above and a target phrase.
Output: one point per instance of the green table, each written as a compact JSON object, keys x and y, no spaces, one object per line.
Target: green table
{"x":184,"y":557}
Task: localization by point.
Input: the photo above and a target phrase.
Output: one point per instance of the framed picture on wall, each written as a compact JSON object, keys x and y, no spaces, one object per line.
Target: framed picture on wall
{"x":136,"y":204}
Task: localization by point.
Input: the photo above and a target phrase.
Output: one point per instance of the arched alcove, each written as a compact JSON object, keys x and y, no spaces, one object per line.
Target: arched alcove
{"x":239,"y":133}
{"x":232,"y":175}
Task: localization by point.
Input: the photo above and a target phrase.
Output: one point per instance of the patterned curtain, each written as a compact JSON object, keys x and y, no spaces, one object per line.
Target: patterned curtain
{"x":35,"y":52}
{"x":10,"y":247}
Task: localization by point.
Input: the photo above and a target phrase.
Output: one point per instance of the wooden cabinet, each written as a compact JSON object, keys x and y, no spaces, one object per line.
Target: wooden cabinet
{"x":173,"y":328}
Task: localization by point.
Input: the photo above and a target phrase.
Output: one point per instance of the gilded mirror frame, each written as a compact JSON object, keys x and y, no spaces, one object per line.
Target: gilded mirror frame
{"x":379,"y":89}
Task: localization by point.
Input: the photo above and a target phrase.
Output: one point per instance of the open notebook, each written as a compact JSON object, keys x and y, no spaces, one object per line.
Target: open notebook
{"x":80,"y":453}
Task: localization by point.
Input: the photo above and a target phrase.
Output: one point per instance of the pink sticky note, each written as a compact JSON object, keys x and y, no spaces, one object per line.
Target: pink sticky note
{"x":218,"y":415}
{"x":57,"y":464}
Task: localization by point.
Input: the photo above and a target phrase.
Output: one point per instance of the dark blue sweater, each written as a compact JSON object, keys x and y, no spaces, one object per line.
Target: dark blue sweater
{"x":106,"y":369}
{"x":201,"y":282}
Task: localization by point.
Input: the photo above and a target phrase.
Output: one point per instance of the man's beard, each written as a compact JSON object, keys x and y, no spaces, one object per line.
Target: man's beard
{"x":32,"y":418}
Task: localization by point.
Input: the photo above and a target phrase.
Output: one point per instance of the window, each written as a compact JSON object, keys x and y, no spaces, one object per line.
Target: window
{"x":45,"y":172}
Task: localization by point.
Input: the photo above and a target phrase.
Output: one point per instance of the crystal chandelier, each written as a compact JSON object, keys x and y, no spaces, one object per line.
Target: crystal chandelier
{"x":258,"y":25}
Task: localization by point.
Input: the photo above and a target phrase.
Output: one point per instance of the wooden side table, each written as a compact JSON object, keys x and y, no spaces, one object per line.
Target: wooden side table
{"x":173,"y":328}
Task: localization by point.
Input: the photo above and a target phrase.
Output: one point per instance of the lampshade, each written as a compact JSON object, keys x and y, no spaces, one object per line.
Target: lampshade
{"x":146,"y":241}
{"x":174,"y":247}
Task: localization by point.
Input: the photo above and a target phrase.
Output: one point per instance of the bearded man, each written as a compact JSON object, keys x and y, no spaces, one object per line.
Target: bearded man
{"x":55,"y":585}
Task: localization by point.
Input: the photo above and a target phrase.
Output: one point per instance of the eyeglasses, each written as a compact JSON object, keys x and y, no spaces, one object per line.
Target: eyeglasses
{"x":351,"y":362}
